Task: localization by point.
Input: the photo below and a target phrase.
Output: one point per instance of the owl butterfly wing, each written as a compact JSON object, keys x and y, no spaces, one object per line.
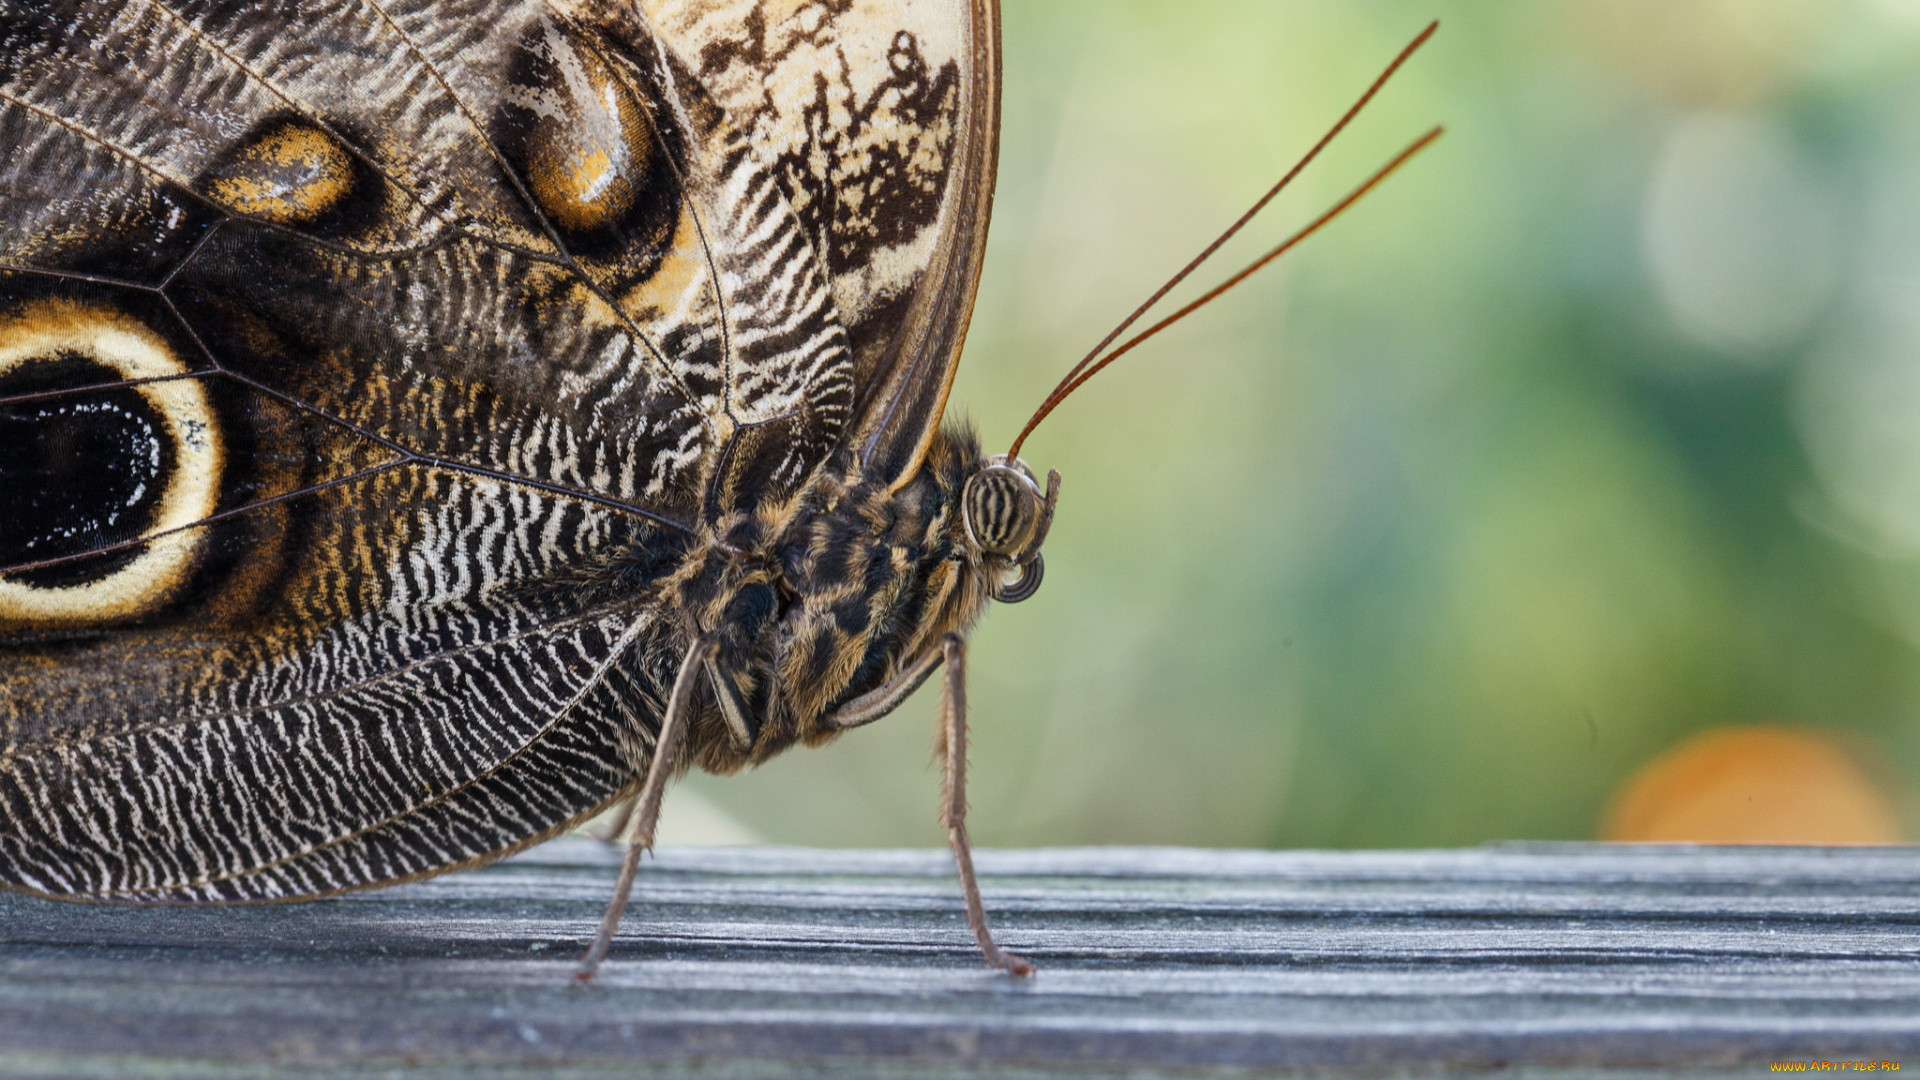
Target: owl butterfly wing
{"x":885,"y":127}
{"x":362,"y":362}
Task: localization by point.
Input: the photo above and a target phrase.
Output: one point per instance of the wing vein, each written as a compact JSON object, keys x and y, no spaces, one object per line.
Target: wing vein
{"x":533,"y":207}
{"x":593,"y":681}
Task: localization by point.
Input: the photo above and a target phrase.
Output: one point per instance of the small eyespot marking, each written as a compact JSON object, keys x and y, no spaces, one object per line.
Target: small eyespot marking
{"x":589,"y":151}
{"x":290,"y":174}
{"x":165,"y":434}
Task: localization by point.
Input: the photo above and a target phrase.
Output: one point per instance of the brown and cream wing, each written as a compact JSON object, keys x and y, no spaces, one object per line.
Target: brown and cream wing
{"x":882,"y":120}
{"x":361,"y":364}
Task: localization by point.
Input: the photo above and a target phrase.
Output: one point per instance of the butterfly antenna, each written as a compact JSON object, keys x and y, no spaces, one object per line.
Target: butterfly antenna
{"x":1074,"y":382}
{"x":1080,"y":372}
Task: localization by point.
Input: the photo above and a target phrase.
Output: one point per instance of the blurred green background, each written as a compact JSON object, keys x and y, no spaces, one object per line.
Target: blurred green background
{"x":1597,"y":426}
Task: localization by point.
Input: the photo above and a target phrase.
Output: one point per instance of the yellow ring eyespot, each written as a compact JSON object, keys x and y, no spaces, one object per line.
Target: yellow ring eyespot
{"x":57,"y":330}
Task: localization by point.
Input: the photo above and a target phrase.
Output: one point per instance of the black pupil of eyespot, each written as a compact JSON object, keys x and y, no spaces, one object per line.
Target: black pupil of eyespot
{"x":79,"y":470}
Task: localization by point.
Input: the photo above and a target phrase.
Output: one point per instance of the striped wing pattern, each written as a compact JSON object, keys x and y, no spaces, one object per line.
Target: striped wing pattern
{"x":455,"y":413}
{"x":291,"y":778}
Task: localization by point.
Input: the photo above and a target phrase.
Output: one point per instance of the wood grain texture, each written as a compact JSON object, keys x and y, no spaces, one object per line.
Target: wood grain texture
{"x":784,"y":962}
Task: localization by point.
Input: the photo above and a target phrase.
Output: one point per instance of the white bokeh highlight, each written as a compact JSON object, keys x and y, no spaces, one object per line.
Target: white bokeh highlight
{"x":1739,"y":235}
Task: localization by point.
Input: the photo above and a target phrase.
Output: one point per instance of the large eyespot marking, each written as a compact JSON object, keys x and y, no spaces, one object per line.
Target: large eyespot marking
{"x":590,"y":143}
{"x":86,"y":470}
{"x":290,"y":173}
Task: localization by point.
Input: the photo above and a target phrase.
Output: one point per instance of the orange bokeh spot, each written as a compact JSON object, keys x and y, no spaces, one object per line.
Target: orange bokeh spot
{"x":1753,"y":785}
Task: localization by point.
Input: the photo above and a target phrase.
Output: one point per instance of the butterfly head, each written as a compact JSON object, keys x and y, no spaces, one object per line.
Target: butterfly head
{"x":1005,"y":518}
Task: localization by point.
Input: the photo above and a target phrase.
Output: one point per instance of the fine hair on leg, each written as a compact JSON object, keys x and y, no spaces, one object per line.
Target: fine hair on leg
{"x":616,"y":825}
{"x":645,"y":814}
{"x":953,"y":802}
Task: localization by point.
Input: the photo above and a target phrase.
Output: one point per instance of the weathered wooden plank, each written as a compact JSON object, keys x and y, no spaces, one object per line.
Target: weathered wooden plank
{"x":778,"y":962}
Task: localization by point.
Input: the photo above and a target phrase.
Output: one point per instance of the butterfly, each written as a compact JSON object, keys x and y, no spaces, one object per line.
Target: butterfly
{"x":428,"y":424}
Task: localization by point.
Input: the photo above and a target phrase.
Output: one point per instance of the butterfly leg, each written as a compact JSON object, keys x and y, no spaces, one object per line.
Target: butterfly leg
{"x":616,"y":825}
{"x":871,"y":706}
{"x":875,"y":704}
{"x":953,"y":801}
{"x":645,"y":814}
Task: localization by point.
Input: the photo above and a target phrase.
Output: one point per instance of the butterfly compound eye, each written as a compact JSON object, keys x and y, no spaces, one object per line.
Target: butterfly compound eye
{"x":1001,"y":506}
